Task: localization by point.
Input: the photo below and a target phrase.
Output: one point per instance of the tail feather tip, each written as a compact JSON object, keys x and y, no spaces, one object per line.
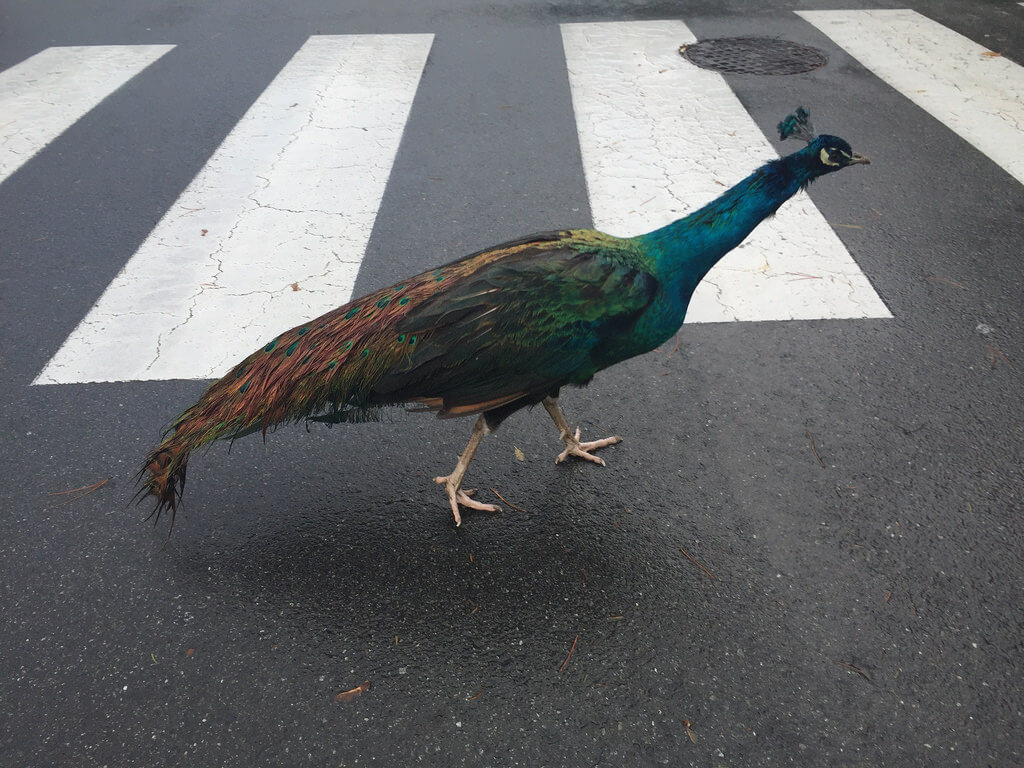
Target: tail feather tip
{"x":165,"y":468}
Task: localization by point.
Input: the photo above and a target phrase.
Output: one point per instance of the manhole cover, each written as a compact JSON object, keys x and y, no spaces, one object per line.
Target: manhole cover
{"x":754,"y":56}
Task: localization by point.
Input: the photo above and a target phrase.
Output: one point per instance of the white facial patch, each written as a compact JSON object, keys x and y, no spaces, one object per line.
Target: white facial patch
{"x":826,"y":159}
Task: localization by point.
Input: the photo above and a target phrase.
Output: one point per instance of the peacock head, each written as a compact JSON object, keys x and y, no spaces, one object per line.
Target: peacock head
{"x":823,"y":154}
{"x":830,"y":153}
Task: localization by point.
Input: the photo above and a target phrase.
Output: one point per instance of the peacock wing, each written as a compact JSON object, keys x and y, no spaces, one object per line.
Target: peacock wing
{"x":518,"y":326}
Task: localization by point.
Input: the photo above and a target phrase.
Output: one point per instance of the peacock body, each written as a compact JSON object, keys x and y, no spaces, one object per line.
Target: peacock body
{"x":493,"y":332}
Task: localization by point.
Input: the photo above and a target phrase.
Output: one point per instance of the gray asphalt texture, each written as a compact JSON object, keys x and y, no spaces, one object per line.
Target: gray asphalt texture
{"x":865,"y":610}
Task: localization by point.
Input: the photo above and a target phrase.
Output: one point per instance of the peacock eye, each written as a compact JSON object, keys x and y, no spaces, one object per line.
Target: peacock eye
{"x":826,"y":157}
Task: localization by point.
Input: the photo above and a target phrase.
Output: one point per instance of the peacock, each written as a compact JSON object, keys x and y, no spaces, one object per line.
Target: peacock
{"x":486,"y":335}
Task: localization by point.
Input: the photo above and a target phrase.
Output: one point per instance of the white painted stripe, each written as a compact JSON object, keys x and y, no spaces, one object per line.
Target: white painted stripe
{"x":44,"y":95}
{"x":974,"y":91}
{"x":660,"y":138}
{"x":270,"y":232}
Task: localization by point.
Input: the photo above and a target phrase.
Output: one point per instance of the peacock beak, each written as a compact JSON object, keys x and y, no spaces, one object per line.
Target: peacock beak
{"x":859,"y":160}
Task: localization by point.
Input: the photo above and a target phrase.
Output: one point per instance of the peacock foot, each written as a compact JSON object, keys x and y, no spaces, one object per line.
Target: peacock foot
{"x":573,"y":447}
{"x":457,"y":496}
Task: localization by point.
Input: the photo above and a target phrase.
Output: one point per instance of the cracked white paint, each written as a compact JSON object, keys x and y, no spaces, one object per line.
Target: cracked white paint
{"x":660,"y":138}
{"x":45,"y":94}
{"x":287,"y":201}
{"x":975,"y":92}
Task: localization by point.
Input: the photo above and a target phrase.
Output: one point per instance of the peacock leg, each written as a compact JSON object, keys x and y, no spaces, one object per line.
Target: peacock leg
{"x":573,"y":446}
{"x":453,"y":482}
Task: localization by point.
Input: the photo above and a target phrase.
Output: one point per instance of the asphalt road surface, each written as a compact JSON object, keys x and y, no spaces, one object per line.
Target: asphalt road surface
{"x":854,"y":484}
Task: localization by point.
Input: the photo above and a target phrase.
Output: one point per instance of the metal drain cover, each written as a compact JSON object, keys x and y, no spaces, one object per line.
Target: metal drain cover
{"x":753,"y":56}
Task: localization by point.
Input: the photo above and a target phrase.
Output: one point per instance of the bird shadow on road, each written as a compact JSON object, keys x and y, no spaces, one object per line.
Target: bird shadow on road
{"x":514,"y":588}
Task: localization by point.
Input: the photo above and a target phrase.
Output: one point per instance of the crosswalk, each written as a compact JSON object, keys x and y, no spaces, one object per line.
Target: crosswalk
{"x":272,"y":230}
{"x":44,"y":95}
{"x":973,"y":90}
{"x":647,"y":121}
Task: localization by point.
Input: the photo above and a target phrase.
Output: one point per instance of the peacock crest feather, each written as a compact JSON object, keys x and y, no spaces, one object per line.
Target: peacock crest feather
{"x":797,"y":126}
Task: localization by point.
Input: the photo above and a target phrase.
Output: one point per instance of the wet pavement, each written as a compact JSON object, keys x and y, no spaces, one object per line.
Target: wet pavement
{"x":854,"y":486}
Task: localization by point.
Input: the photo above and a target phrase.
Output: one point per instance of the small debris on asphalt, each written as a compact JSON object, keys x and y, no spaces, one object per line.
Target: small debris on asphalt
{"x":947,"y":281}
{"x":856,"y":669}
{"x":689,"y":731}
{"x":696,"y":562}
{"x":352,"y":693}
{"x":995,"y":355}
{"x":569,"y":656}
{"x":514,"y":506}
{"x":674,"y":348}
{"x":814,"y":448}
{"x":82,"y":492}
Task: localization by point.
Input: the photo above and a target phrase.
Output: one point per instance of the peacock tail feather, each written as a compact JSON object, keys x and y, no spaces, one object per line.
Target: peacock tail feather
{"x":330,"y":364}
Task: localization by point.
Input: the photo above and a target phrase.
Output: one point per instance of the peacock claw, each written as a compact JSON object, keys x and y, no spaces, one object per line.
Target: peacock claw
{"x":573,"y":447}
{"x":459,"y":496}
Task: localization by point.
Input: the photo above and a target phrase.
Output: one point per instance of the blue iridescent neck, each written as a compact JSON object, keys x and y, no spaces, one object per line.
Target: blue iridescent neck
{"x":691,"y":246}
